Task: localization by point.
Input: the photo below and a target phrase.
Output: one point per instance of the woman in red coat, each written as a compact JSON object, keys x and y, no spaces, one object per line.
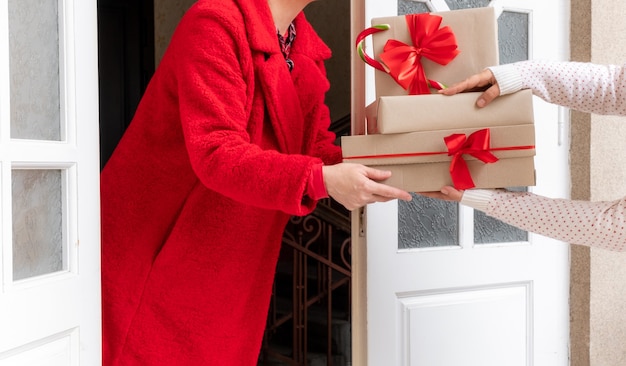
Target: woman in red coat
{"x":229,"y":140}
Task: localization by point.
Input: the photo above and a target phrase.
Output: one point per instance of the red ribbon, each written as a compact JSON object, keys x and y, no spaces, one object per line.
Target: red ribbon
{"x":404,"y":61}
{"x":477,"y":145}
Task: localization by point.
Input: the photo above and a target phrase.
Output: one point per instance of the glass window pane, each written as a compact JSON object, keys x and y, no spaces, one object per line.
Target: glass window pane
{"x":427,"y":223}
{"x":513,"y":36}
{"x":488,"y":230}
{"x":34,"y":69}
{"x":411,"y":7}
{"x":37,"y":222}
{"x":466,"y":4}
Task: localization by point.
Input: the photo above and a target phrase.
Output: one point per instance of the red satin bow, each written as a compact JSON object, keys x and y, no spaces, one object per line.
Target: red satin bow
{"x":477,"y":145}
{"x":430,"y":41}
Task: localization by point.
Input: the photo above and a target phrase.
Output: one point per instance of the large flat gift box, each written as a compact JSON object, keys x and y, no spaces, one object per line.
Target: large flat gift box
{"x":475,"y":31}
{"x":421,"y":160}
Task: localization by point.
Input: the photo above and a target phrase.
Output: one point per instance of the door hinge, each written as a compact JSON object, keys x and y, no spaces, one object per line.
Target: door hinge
{"x":361,"y":215}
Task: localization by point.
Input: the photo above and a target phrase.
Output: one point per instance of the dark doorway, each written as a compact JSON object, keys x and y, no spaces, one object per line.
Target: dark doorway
{"x":126,"y":62}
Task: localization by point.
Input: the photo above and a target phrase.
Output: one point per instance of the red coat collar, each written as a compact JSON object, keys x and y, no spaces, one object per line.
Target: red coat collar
{"x":262,"y":34}
{"x":283,"y":91}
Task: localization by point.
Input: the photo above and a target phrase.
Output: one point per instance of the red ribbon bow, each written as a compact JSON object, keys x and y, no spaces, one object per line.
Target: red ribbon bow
{"x":404,"y":61}
{"x":477,"y":145}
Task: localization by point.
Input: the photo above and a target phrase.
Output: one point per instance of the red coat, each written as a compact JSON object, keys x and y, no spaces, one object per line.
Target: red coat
{"x":197,"y":194}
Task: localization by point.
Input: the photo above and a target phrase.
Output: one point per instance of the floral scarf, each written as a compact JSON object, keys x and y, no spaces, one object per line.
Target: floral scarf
{"x":286,"y":42}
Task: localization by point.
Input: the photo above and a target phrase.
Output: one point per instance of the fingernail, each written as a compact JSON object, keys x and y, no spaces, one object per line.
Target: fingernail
{"x":445,"y":191}
{"x":480,"y":103}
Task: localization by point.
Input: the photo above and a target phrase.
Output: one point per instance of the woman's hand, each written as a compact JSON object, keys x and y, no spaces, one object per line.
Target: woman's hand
{"x":355,"y":185}
{"x":447,"y":193}
{"x":477,"y":82}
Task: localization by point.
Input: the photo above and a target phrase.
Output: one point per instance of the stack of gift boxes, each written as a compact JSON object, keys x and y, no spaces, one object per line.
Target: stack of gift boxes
{"x":428,"y":140}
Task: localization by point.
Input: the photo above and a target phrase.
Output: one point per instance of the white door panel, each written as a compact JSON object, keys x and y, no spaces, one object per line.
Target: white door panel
{"x":444,"y":285}
{"x":49,"y":183}
{"x":430,"y":319}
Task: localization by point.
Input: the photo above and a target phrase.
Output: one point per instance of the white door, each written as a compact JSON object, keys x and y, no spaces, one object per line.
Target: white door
{"x":49,"y":184}
{"x":437,"y":284}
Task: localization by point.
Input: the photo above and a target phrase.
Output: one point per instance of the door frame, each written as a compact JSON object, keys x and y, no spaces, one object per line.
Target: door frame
{"x":359,"y":249}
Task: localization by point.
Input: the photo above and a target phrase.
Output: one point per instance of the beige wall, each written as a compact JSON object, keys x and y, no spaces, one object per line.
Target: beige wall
{"x":167,"y":14}
{"x":598,"y":288}
{"x":321,"y":14}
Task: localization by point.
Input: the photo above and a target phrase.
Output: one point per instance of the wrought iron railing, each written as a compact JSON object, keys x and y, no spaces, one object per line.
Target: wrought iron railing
{"x":309,"y":318}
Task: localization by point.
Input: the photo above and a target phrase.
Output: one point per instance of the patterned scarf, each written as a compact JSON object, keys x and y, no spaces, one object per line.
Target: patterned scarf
{"x":286,"y":42}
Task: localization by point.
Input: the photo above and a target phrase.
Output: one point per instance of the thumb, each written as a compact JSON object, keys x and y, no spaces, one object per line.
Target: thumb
{"x":452,"y":193}
{"x":488,"y":96}
{"x":446,"y":190}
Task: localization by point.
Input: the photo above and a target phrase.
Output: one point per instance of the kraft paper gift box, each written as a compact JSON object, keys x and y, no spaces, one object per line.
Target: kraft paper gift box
{"x":414,"y":113}
{"x":421,"y":160}
{"x":475,"y":31}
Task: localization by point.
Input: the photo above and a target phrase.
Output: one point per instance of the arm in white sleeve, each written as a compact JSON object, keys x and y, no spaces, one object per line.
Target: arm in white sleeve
{"x":596,"y":224}
{"x":478,"y":198}
{"x":585,"y":87}
{"x":508,"y":77}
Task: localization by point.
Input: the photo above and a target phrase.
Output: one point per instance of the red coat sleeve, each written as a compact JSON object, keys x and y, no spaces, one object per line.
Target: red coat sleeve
{"x":325,"y":147}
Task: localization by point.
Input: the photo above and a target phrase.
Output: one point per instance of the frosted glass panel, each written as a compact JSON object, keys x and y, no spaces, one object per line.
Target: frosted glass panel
{"x":466,"y":4}
{"x":513,"y":36}
{"x":34,"y":69}
{"x":426,"y":223}
{"x":488,"y":230}
{"x":37,"y":222}
{"x":411,"y":7}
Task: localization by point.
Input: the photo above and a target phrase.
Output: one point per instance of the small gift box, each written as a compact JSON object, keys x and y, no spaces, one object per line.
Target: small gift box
{"x":494,"y":157}
{"x":412,"y":113}
{"x":417,"y":52}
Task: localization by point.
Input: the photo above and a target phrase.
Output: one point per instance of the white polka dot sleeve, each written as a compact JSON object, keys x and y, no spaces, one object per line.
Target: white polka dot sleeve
{"x":585,"y":87}
{"x":581,"y":86}
{"x":598,"y":224}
